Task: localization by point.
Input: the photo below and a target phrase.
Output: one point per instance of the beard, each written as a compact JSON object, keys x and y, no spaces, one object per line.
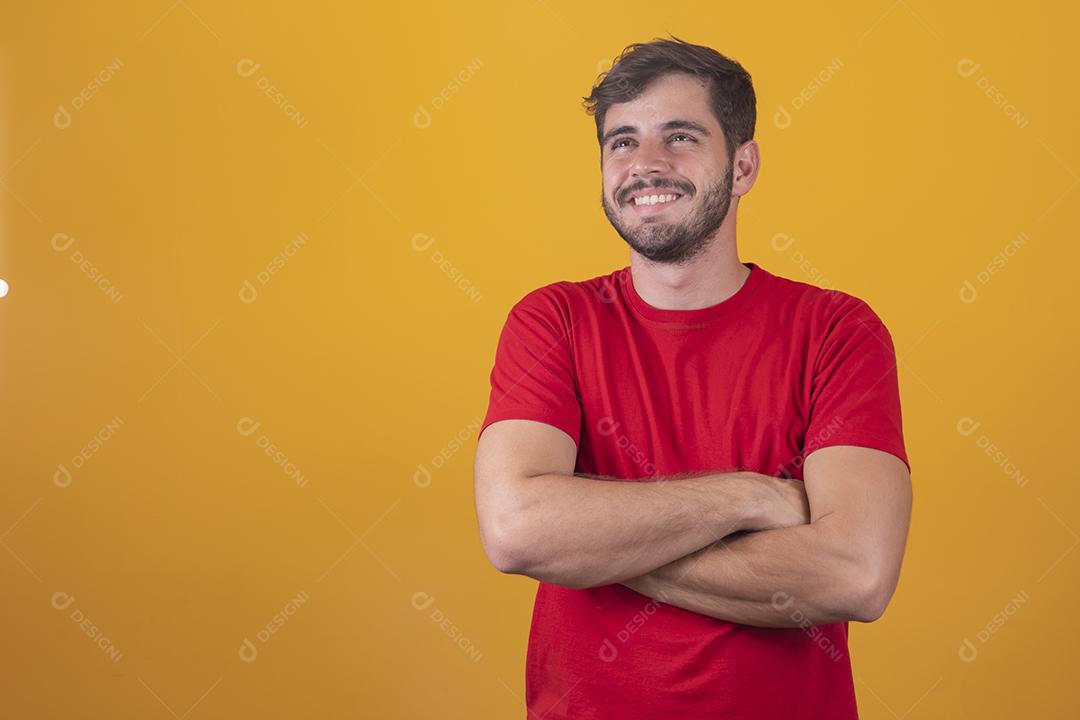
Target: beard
{"x":676,"y":242}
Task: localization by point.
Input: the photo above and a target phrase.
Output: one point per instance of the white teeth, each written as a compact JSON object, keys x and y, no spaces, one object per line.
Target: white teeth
{"x":653,"y":199}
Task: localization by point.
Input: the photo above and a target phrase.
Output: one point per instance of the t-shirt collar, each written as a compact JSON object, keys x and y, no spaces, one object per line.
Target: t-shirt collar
{"x":698,"y":315}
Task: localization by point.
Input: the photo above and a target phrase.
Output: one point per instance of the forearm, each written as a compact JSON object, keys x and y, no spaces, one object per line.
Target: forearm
{"x":582,"y":531}
{"x":786,"y":577}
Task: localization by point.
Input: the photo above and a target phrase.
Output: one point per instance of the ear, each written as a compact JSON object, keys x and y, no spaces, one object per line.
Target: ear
{"x":747,"y":163}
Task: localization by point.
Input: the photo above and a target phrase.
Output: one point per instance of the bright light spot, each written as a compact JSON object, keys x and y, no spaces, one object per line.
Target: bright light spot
{"x":3,"y":288}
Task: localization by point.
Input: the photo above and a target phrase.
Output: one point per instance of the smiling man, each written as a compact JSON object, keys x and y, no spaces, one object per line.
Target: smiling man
{"x":702,"y":462}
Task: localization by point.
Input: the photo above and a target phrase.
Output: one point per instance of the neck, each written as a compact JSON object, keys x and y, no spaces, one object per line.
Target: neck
{"x":712,"y":277}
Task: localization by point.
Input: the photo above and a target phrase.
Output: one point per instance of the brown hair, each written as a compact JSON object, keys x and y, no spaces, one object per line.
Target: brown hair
{"x":731,"y":91}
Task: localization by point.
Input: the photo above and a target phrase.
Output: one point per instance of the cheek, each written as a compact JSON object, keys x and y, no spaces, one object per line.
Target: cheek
{"x":614,"y":172}
{"x":610,"y":188}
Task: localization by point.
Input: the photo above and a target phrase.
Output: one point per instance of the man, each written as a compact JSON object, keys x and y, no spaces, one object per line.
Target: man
{"x":701,"y":462}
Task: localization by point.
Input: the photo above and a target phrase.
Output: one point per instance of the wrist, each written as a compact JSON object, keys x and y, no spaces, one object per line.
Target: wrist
{"x":641,"y":584}
{"x":749,"y":502}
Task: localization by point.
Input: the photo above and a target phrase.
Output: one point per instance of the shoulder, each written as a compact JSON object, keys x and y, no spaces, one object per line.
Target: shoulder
{"x":840,"y":326}
{"x":563,"y":300}
{"x":826,"y":308}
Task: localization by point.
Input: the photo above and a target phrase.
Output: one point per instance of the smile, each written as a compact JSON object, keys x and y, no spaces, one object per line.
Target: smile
{"x":655,"y":199}
{"x":653,"y":204}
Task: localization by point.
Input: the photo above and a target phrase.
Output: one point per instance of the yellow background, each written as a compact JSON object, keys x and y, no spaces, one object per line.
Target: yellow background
{"x":365,"y":355}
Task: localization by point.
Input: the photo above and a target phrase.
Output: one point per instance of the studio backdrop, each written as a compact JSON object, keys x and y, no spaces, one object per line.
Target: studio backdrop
{"x":255,"y":262}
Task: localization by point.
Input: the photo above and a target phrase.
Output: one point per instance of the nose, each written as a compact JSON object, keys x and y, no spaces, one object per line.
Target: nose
{"x":650,"y":159}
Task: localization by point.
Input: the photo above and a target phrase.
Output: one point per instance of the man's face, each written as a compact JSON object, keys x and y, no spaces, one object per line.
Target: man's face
{"x":666,"y":142}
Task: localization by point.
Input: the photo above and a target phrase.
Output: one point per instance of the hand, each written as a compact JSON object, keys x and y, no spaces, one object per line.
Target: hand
{"x":784,"y":502}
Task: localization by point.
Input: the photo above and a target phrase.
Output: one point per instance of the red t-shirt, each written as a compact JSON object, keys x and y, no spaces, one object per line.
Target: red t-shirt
{"x":755,"y":382}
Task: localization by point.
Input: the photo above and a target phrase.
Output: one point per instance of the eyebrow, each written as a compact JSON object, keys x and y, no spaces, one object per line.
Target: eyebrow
{"x":669,"y":125}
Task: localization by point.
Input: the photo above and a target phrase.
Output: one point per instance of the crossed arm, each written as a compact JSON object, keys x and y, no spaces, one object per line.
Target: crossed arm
{"x":728,"y":545}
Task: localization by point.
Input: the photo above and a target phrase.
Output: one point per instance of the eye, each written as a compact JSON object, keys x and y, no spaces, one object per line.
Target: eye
{"x":617,"y":144}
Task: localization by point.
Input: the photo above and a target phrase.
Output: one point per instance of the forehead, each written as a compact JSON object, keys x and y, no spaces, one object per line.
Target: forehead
{"x":672,"y":96}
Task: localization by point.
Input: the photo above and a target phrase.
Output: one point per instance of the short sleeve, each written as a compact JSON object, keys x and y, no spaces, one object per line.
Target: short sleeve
{"x":855,"y":398}
{"x":533,"y":375}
